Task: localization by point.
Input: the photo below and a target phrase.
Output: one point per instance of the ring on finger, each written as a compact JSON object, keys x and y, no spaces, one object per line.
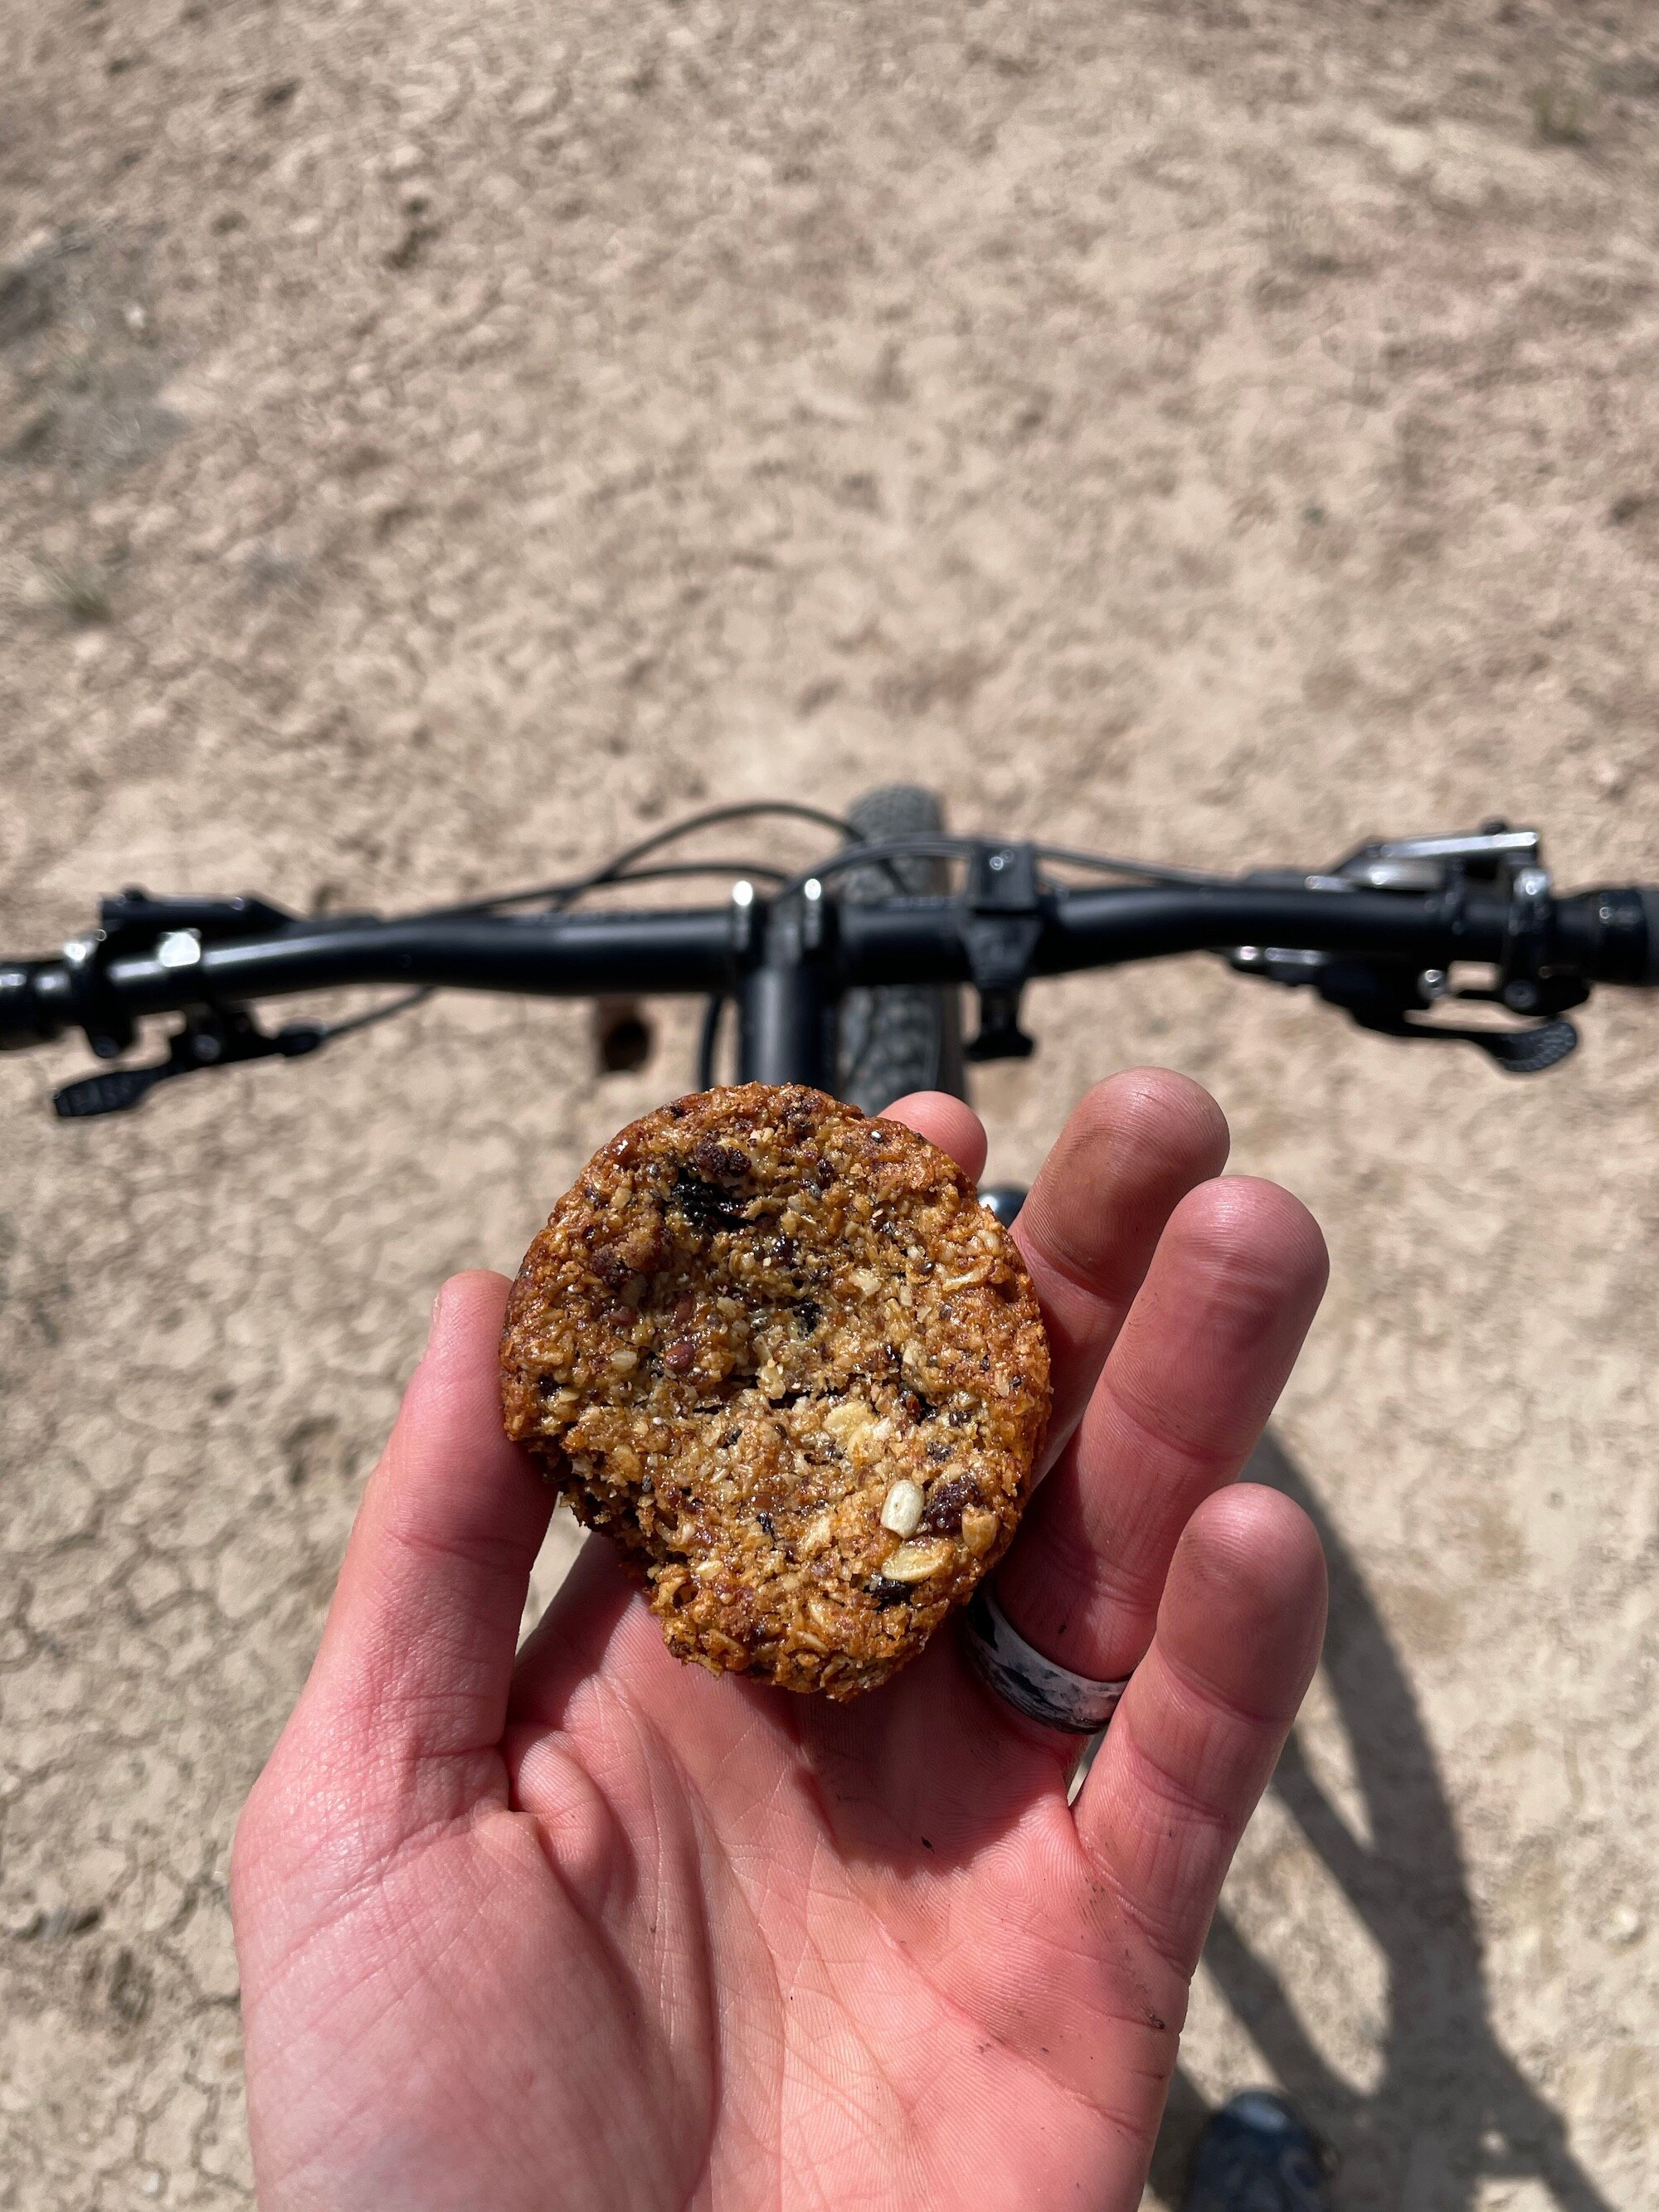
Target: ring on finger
{"x":1037,"y":1687}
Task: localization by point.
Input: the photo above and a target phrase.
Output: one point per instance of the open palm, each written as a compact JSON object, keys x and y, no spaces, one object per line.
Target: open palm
{"x":585,"y":1928}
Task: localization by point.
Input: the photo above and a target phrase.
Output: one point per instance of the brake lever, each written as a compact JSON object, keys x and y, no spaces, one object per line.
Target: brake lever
{"x":212,"y":1036}
{"x":132,"y":917}
{"x":1388,"y":996}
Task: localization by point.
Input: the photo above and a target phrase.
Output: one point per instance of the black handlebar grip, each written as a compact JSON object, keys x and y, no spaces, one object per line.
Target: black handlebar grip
{"x":25,"y":1019}
{"x":1611,"y":936}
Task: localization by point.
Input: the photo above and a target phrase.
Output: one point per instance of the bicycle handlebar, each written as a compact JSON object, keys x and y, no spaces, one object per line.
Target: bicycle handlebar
{"x":1609,"y":936}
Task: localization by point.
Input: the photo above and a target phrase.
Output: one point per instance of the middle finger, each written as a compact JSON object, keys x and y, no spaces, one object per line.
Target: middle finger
{"x":1130,"y":1150}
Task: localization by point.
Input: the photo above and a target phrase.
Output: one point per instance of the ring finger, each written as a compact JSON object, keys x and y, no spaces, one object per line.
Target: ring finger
{"x":1183,"y":1395}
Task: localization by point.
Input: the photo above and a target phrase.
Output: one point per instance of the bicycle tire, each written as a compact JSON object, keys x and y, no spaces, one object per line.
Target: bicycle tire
{"x":903,"y":1037}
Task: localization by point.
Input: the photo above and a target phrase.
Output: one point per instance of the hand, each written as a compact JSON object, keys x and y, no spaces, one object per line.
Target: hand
{"x":587,"y":1927}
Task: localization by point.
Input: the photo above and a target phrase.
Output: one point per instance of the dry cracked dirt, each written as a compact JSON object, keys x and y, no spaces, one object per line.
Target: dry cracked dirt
{"x":435,"y":443}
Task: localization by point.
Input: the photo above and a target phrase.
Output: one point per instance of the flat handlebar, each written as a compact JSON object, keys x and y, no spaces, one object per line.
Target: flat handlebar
{"x":1609,"y":936}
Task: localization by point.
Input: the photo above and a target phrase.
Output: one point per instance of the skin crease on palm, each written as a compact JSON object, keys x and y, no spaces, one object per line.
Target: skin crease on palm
{"x":586,"y":1927}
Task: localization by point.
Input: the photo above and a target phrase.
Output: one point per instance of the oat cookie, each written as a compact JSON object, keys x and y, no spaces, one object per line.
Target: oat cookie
{"x":781,"y":1355}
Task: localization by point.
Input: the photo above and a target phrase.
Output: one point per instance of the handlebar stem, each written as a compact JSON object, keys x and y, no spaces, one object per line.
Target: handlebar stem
{"x":786,"y":997}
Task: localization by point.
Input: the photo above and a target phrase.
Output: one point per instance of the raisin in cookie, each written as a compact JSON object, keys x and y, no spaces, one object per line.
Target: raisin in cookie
{"x":782,"y":1357}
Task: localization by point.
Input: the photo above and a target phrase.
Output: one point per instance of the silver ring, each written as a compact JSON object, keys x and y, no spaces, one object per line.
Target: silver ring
{"x":1023,"y":1679}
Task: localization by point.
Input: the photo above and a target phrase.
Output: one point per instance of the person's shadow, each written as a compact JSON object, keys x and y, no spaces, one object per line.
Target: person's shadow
{"x":1450,"y":2106}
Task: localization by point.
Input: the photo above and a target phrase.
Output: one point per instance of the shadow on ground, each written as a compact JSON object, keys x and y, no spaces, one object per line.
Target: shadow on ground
{"x":1450,"y":2108}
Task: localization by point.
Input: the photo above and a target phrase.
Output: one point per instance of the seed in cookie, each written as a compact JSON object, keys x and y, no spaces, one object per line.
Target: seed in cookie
{"x":783,"y":1358}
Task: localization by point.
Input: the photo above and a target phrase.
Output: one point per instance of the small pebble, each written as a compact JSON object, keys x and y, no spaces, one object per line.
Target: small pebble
{"x":1624,"y":1924}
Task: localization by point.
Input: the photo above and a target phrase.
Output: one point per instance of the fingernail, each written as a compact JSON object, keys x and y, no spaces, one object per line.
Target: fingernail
{"x":437,"y":1315}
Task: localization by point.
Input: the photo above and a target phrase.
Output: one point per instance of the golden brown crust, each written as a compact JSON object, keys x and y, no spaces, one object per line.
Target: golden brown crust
{"x":759,"y":1323}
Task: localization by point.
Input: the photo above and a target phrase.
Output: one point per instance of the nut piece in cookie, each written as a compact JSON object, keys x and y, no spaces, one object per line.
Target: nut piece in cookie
{"x":781,"y":1354}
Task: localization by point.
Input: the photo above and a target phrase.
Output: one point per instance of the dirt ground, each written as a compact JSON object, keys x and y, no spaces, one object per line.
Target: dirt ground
{"x":439,"y":441}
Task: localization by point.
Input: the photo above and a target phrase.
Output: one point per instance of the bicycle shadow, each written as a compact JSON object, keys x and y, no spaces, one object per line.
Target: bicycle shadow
{"x":1451,"y":2108}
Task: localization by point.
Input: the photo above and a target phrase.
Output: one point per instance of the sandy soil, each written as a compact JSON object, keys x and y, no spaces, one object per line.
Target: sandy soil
{"x":437,"y":440}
